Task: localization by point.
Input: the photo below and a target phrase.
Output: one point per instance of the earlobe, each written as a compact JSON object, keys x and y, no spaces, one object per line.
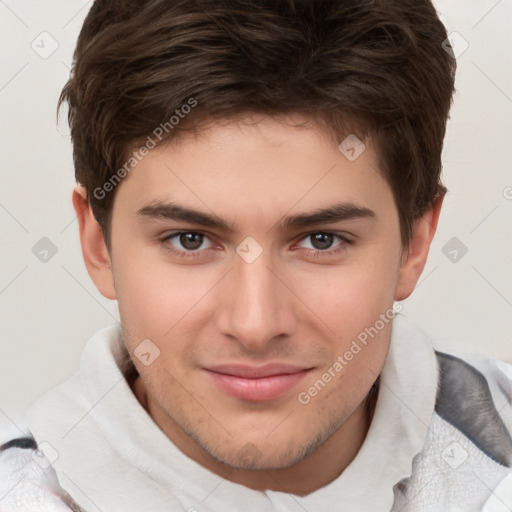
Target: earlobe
{"x":415,"y":254}
{"x":96,"y":256}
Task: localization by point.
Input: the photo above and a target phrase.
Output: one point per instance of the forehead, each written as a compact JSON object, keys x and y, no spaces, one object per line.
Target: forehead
{"x":257,"y":168}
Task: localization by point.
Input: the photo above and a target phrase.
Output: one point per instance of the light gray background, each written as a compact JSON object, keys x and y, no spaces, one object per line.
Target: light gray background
{"x":49,"y":310}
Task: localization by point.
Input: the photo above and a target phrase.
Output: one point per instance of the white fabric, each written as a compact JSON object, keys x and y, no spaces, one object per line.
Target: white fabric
{"x":501,"y":499}
{"x":28,"y":486}
{"x":459,"y":483}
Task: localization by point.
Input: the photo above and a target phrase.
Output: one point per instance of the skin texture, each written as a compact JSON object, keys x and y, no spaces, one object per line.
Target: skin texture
{"x":293,"y":304}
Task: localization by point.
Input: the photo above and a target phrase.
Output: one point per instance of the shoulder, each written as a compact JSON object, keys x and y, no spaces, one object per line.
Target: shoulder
{"x":467,"y":455}
{"x":27,"y":480}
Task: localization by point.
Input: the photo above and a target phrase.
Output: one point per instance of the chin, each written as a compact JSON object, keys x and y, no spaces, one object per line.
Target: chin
{"x":263,"y":457}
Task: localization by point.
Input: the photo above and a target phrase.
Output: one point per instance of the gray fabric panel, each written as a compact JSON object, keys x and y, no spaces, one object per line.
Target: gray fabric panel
{"x":465,"y":401}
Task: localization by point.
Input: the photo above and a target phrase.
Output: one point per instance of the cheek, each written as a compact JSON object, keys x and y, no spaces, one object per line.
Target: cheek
{"x":349,"y":297}
{"x":158,"y":295}
{"x":157,"y":305}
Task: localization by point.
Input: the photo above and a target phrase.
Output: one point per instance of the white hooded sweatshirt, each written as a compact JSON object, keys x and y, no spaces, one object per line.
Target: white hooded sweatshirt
{"x":439,"y":441}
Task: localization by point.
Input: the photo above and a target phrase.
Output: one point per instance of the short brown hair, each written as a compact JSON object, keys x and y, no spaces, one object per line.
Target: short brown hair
{"x":376,"y":67}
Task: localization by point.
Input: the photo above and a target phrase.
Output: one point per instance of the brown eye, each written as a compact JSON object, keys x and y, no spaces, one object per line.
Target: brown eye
{"x":191,"y":241}
{"x":322,"y":241}
{"x":184,"y":242}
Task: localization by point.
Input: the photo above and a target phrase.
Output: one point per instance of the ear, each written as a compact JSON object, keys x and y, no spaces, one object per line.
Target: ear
{"x":95,"y":253}
{"x":415,"y":254}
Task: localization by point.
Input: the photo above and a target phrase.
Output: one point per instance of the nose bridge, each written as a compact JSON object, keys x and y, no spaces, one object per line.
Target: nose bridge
{"x":256,"y":307}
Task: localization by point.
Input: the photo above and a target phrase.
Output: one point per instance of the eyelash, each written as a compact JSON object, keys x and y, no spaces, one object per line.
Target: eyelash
{"x":199,"y":252}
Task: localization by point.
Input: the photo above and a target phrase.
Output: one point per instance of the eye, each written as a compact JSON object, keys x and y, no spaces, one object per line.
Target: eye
{"x":322,"y":241}
{"x":187,"y":241}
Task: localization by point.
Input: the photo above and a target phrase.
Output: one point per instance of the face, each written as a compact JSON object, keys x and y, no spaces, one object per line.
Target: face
{"x":253,"y":257}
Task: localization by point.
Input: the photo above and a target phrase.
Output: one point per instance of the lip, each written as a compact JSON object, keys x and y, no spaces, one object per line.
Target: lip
{"x":257,"y":384}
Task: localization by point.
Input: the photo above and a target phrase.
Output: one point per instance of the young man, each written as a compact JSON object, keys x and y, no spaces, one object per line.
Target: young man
{"x":259,"y":185}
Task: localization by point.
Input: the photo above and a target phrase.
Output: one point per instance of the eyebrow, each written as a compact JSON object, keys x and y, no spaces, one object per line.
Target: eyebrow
{"x":335,"y":213}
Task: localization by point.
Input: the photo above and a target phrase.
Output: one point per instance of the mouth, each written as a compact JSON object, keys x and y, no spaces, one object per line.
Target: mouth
{"x":257,"y":384}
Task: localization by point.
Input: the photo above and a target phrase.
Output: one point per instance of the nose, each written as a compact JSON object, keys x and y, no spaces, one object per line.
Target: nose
{"x":255,"y":305}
